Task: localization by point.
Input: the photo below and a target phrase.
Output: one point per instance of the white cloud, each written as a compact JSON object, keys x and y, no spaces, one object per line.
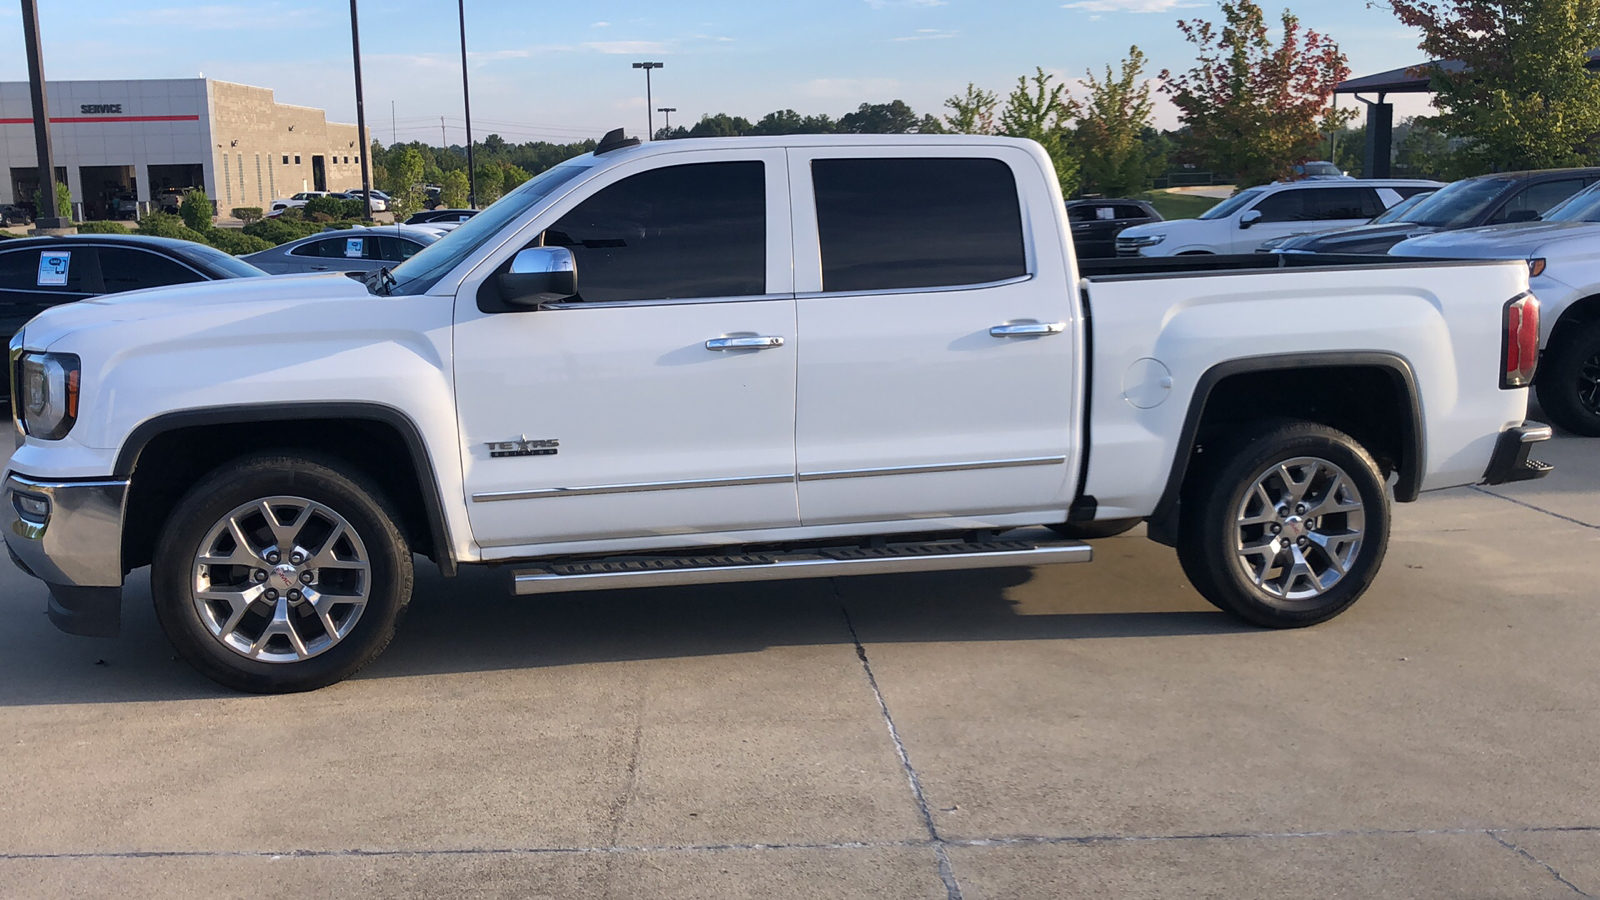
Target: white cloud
{"x":601,"y":25}
{"x":1133,"y":6}
{"x":926,"y":34}
{"x":856,"y":90}
{"x":632,"y":47}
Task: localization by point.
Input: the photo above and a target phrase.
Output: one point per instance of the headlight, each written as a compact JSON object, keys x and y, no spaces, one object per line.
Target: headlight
{"x":1142,"y":240}
{"x":1535,"y":268}
{"x":47,"y":394}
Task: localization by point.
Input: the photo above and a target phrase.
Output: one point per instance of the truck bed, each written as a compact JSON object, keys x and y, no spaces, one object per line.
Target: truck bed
{"x":1140,"y":267}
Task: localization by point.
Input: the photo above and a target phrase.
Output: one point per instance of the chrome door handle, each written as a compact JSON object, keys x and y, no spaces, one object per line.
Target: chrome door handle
{"x":747,"y":342}
{"x":1027,"y":329}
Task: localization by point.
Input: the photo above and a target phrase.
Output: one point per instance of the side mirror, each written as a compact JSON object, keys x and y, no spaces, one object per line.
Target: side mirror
{"x":1522,"y":215}
{"x":1249,"y":218}
{"x":540,"y":275}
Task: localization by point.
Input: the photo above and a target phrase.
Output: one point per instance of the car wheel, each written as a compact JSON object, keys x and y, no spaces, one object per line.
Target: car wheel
{"x":279,"y":573}
{"x":1568,"y":383}
{"x":1286,"y":526}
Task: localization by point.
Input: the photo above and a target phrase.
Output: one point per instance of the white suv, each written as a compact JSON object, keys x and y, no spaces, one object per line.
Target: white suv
{"x":1241,"y":223}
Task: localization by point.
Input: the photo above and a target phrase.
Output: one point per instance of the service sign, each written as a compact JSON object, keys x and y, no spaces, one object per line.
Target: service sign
{"x":352,"y":247}
{"x":53,"y":267}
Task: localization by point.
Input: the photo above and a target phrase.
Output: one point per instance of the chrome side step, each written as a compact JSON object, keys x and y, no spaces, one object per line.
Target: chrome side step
{"x":551,"y":576}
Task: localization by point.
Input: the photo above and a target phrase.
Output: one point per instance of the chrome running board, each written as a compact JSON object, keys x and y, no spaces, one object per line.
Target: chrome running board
{"x":657,"y":570}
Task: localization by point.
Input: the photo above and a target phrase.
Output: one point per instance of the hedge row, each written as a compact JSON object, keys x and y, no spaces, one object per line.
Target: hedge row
{"x":282,"y":231}
{"x":167,"y":225}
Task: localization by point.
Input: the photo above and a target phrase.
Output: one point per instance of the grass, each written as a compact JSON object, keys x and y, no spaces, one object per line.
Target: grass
{"x":1178,"y":206}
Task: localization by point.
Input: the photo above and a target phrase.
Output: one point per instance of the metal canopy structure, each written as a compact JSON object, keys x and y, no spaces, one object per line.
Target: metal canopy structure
{"x":1380,"y":114}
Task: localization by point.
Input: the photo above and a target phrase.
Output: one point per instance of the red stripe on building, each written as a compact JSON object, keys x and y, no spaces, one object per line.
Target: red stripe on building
{"x":68,"y":119}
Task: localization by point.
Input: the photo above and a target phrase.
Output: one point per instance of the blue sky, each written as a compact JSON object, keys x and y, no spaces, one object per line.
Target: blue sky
{"x":557,"y":71}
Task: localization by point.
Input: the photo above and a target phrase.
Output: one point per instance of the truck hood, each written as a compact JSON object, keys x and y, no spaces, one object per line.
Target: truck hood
{"x":1522,"y":240}
{"x":1174,"y":229}
{"x":197,"y":300}
{"x":1360,"y":239}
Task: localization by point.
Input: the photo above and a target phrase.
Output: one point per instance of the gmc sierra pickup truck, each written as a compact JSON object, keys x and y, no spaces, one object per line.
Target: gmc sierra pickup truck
{"x":745,"y":360}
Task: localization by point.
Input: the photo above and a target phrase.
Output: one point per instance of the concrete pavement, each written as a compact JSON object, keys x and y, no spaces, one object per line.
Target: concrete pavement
{"x":1072,"y":731}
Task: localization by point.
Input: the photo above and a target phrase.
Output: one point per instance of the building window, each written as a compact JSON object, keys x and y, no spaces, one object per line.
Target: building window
{"x":286,"y":159}
{"x":259,"y":182}
{"x":272,"y":179}
{"x":297,"y":159}
{"x":227,"y":180}
{"x":241,"y":178}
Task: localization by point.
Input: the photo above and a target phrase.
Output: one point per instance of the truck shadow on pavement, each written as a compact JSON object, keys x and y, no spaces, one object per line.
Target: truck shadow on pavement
{"x":471,"y":623}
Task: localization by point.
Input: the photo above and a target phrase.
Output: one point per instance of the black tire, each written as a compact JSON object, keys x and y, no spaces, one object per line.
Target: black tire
{"x":235,"y":484}
{"x":1099,"y":528}
{"x":1566,"y":382}
{"x":1215,"y":495}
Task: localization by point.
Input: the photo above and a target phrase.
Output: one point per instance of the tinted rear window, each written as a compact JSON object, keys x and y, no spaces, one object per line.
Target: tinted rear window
{"x":888,"y":224}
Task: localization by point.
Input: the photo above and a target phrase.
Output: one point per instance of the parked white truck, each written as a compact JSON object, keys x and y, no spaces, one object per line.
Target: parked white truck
{"x":744,"y":360}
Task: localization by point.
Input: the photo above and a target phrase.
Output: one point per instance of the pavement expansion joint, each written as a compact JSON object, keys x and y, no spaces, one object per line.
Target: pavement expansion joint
{"x":1546,"y":866}
{"x":946,"y":871}
{"x":1539,"y":509}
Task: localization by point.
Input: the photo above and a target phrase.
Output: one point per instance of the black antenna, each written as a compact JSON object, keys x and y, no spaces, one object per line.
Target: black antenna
{"x":615,"y":141}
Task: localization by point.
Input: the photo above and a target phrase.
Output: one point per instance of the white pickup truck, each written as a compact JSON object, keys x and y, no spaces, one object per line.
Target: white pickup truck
{"x":744,"y":360}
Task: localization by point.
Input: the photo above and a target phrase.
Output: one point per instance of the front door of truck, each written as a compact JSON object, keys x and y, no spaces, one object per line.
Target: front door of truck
{"x":938,"y":364}
{"x":658,"y":402}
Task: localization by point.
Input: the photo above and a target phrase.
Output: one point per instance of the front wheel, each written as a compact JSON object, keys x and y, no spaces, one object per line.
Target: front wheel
{"x":281,"y":573}
{"x":1286,"y":526}
{"x":1568,"y":383}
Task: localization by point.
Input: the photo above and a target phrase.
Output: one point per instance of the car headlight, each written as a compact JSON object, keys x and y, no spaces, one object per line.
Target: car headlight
{"x":47,"y":394}
{"x":1535,"y":268}
{"x":1142,"y":240}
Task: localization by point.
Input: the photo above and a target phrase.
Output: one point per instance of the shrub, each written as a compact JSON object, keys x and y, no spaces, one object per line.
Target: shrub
{"x":63,"y":201}
{"x":197,"y":210}
{"x":247,"y":214}
{"x":332,"y":208}
{"x":274,"y":231}
{"x":237,"y":243}
{"x":103,"y":228}
{"x":167,"y":225}
{"x":292,"y":214}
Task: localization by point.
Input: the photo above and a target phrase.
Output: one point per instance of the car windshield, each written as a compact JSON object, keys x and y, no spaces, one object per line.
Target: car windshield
{"x":1457,"y":205}
{"x":421,"y":272}
{"x":1401,"y":212}
{"x":231,"y":267}
{"x":1231,"y":205}
{"x":1584,"y":206}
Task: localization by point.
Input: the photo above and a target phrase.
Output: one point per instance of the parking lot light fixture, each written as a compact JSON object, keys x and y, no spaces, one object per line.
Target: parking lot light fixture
{"x":649,"y":113}
{"x":667,"y":111}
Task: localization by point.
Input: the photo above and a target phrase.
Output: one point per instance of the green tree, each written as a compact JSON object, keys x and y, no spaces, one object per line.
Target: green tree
{"x":453,"y":190}
{"x":491,"y":182}
{"x":971,"y":112}
{"x":63,"y":201}
{"x":720,"y":125}
{"x":1422,"y":151}
{"x":405,"y":183}
{"x":196,"y":210}
{"x":1040,"y":109}
{"x":1523,"y":97}
{"x":1252,"y":108}
{"x":894,"y":117}
{"x":1115,"y":114}
{"x":512,"y":177}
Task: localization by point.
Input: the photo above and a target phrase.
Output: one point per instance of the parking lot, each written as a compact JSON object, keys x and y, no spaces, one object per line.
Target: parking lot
{"x":1088,"y":730}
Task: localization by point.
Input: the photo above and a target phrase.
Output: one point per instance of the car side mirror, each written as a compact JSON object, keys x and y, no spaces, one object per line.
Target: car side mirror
{"x":1522,"y":215}
{"x":1249,"y":218}
{"x":540,"y":275}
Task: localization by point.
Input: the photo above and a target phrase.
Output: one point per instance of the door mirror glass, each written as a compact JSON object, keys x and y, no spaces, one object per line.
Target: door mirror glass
{"x":1249,"y":218}
{"x":540,"y":275}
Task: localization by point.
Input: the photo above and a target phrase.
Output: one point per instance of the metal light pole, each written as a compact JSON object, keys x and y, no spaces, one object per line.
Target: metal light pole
{"x":649,"y":114}
{"x":466,"y":102}
{"x":47,"y":217}
{"x":361,"y":118}
{"x":669,"y":110}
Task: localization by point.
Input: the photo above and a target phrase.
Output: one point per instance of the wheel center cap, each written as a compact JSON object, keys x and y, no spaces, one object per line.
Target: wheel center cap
{"x":282,"y":577}
{"x":1294,"y":528}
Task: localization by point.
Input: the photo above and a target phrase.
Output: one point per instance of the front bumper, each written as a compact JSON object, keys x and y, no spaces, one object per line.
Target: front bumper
{"x":1510,"y":461}
{"x":68,"y":534}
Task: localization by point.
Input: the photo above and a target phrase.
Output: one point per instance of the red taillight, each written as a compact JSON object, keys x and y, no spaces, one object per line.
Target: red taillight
{"x":1520,"y":351}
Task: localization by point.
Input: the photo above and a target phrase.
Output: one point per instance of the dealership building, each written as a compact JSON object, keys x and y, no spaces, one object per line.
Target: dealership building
{"x":133,"y":140}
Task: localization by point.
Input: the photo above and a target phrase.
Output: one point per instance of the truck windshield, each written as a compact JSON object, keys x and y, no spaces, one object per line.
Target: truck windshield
{"x":1231,"y":205}
{"x":421,"y":272}
{"x":1583,"y":206}
{"x":1458,"y":205}
{"x":1401,"y":212}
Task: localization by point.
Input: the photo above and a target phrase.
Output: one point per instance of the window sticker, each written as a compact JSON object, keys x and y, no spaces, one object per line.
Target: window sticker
{"x":53,"y":267}
{"x":352,"y":246}
{"x":1105,"y":212}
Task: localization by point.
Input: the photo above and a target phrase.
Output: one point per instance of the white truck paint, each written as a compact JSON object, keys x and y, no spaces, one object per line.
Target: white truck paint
{"x":872,"y":413}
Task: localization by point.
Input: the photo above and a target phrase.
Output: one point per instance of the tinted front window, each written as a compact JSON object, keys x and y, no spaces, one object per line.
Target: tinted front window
{"x":1319,"y":204}
{"x":678,"y":232}
{"x":1536,"y":199}
{"x":363,"y":246}
{"x":1400,"y":212}
{"x":218,"y":263}
{"x":126,"y":269}
{"x":18,"y":270}
{"x":888,"y":224}
{"x":1232,"y":205}
{"x":396,"y":249}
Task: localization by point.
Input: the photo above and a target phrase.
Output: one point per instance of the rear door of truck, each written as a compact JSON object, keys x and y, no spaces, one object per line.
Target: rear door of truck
{"x":938,"y":340}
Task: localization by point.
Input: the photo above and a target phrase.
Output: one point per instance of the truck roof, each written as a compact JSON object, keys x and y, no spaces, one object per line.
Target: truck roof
{"x":676,"y":145}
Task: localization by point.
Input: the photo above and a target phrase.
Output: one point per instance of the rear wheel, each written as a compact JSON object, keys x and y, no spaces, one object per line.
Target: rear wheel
{"x":1286,"y":526}
{"x":1568,"y":383}
{"x":281,"y":573}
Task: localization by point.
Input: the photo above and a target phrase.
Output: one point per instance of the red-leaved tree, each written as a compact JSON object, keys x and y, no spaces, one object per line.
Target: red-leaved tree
{"x":1251,"y":107}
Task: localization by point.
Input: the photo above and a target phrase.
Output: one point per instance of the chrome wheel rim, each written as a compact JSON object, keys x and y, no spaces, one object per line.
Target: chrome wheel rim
{"x":281,"y":579}
{"x":1299,"y":528}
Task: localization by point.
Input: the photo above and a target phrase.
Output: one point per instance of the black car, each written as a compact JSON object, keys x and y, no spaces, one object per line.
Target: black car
{"x":12,"y":214}
{"x":1096,"y":224}
{"x":38,"y":273}
{"x":1468,"y":203}
{"x":440,"y":215}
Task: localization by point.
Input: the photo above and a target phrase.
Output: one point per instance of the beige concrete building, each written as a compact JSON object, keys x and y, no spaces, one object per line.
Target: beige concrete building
{"x":119,"y":145}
